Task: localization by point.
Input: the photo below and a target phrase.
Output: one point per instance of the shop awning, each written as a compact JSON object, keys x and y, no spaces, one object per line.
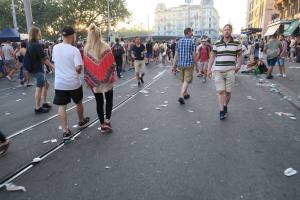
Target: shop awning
{"x":294,"y":25}
{"x":272,"y":30}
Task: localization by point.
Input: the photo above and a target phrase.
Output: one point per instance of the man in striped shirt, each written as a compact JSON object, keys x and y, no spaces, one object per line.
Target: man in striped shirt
{"x":185,"y":59}
{"x":227,"y":59}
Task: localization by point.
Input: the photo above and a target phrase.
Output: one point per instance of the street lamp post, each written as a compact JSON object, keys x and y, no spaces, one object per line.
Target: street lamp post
{"x":108,"y":18}
{"x":13,"y":8}
{"x":28,"y":13}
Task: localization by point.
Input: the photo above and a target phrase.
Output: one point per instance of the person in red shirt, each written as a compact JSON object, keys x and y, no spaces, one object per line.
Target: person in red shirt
{"x":203,"y":55}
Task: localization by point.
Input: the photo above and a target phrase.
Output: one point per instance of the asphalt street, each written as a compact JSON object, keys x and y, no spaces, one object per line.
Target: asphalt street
{"x":159,"y":149}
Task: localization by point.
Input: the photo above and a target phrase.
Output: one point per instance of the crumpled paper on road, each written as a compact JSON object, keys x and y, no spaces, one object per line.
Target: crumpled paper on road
{"x":13,"y":188}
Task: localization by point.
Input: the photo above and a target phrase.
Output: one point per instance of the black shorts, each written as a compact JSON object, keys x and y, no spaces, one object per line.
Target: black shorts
{"x":63,"y":97}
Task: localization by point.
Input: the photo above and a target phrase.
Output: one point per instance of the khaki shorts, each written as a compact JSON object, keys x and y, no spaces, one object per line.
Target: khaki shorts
{"x":224,"y":81}
{"x":139,"y":66}
{"x":186,"y":74}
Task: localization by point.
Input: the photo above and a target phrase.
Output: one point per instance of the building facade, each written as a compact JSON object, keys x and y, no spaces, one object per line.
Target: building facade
{"x":260,"y":14}
{"x":203,"y":18}
{"x":288,"y":9}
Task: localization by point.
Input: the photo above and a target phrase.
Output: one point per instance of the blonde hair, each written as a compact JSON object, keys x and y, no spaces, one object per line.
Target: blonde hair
{"x":34,"y":34}
{"x":94,"y":41}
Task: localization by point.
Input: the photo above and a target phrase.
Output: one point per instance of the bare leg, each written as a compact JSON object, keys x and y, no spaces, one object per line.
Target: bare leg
{"x":227,"y":98}
{"x":80,"y":111}
{"x":38,"y":96}
{"x":137,"y":76}
{"x":45,"y":92}
{"x":63,"y":117}
{"x":184,"y":89}
{"x":270,"y":71}
{"x":222,"y":100}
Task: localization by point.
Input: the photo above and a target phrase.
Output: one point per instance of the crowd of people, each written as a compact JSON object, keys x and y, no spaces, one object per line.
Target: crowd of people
{"x":101,"y":63}
{"x":276,"y":51}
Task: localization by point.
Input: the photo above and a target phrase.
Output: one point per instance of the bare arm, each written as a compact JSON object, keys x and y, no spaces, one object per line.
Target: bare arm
{"x":79,"y":69}
{"x":175,"y":60}
{"x":210,"y":64}
{"x":48,"y":63}
{"x":240,"y":61}
{"x":195,"y":57}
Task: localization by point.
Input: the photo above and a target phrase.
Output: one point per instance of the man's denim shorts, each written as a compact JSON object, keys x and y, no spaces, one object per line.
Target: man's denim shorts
{"x":281,"y":61}
{"x":40,"y":79}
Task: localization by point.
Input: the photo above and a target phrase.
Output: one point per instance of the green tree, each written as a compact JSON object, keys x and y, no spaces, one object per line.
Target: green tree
{"x":52,"y":15}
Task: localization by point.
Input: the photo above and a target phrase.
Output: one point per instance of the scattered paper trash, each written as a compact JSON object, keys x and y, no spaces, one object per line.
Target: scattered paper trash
{"x":13,"y":188}
{"x":36,"y":160}
{"x":133,"y":85}
{"x":190,"y":111}
{"x":107,"y":167}
{"x":145,"y":129}
{"x":7,"y":113}
{"x":99,"y":128}
{"x":133,"y":142}
{"x":166,"y":102}
{"x":144,"y":92}
{"x":157,"y":108}
{"x":293,"y":118}
{"x":260,"y":108}
{"x":198,"y":122}
{"x":162,"y":92}
{"x":251,"y":98}
{"x":146,"y":95}
{"x":18,"y":100}
{"x":274,"y":90}
{"x":261,"y":80}
{"x":284,"y":114}
{"x":75,"y":126}
{"x":290,"y":172}
{"x":24,"y":93}
{"x":59,"y":127}
{"x":163,"y":105}
{"x":90,"y":97}
{"x":54,"y":140}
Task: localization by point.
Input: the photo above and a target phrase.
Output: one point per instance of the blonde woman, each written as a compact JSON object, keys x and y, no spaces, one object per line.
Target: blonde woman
{"x":100,"y":75}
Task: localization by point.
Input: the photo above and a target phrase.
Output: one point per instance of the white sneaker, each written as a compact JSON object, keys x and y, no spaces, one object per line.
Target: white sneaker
{"x":284,"y":75}
{"x":279,"y":75}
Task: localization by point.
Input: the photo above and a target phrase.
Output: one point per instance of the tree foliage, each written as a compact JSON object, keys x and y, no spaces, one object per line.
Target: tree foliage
{"x":52,"y":15}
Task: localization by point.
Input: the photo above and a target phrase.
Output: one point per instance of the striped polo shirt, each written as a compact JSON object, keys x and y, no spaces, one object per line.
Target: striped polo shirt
{"x":226,"y":54}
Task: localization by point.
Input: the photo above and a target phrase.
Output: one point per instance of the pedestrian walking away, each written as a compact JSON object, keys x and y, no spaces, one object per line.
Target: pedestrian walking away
{"x":38,"y":58}
{"x":203,"y":56}
{"x":149,"y":48}
{"x":138,"y":54}
{"x":272,"y":50}
{"x":99,"y":74}
{"x":9,"y":60}
{"x":185,"y":59}
{"x":224,"y":56}
{"x":68,"y":67}
{"x":118,"y":52}
{"x":4,"y":144}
